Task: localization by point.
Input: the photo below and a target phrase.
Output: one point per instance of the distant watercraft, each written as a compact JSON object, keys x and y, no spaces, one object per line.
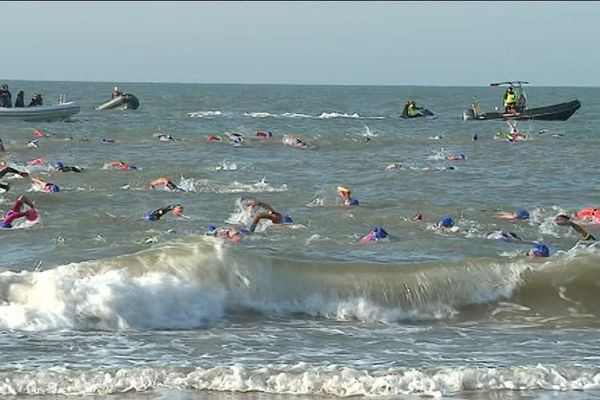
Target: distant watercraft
{"x":125,"y":101}
{"x":556,"y":112}
{"x":416,"y":112}
{"x":56,"y":112}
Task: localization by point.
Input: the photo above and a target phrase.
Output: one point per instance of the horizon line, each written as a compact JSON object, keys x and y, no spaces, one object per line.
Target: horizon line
{"x":285,"y":84}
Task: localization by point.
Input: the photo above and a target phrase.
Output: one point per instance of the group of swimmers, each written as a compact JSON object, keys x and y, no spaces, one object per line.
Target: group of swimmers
{"x":237,"y":139}
{"x":445,"y":224}
{"x":38,"y":183}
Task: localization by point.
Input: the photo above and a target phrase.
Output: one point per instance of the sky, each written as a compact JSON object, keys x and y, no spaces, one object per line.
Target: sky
{"x":322,"y":43}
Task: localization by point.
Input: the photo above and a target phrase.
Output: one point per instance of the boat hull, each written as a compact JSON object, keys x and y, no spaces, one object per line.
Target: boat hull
{"x":124,"y":102}
{"x":50,"y":113}
{"x":557,"y":112}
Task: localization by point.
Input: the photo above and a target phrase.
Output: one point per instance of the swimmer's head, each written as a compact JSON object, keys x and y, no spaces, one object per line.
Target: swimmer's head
{"x":379,"y":233}
{"x":521,"y":214}
{"x":31,"y":214}
{"x":211,"y":229}
{"x":446,"y":222}
{"x":539,"y":250}
{"x":58,"y":165}
{"x":287,"y":218}
{"x":5,"y":225}
{"x":341,"y":189}
{"x":51,"y":188}
{"x":178,"y":211}
{"x":150,"y":217}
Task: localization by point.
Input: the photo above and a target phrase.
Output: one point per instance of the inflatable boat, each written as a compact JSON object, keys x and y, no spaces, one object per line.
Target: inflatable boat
{"x":126,"y":101}
{"x":56,"y":112}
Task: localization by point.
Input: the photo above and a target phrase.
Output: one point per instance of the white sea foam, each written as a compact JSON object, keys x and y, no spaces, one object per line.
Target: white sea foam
{"x":71,"y":298}
{"x":205,"y":114}
{"x":326,"y":115}
{"x":259,"y":114}
{"x":302,"y":379}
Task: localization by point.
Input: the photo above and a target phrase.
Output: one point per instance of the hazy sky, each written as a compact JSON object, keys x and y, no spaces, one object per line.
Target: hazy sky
{"x":379,"y":43}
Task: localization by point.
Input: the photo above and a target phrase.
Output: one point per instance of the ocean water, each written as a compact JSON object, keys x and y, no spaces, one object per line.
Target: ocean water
{"x":97,"y":301}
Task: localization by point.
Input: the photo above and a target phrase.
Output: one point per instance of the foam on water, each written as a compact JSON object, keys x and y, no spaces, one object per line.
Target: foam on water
{"x":303,"y":379}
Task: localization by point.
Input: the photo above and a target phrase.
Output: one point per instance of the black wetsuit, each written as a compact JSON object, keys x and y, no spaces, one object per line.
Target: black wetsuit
{"x":9,"y":170}
{"x":69,"y":169}
{"x":158,"y":214}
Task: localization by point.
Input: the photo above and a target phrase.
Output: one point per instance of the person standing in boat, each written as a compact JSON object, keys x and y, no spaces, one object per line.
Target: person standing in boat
{"x":116,"y":92}
{"x":20,"y":102}
{"x":510,"y":100}
{"x":5,"y":96}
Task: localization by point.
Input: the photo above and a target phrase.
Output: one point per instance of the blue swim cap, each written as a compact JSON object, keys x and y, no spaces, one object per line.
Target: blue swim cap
{"x":54,"y":188}
{"x":150,"y":217}
{"x":133,"y":167}
{"x":210,"y":228}
{"x":5,"y":225}
{"x":474,"y":137}
{"x":287,"y":219}
{"x":446,"y":222}
{"x":380,"y":233}
{"x":540,"y":250}
{"x":353,"y":202}
{"x":521,"y":213}
{"x":58,"y":164}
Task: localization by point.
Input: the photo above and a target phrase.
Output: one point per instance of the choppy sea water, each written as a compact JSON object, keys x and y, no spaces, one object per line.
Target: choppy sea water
{"x":96,"y":300}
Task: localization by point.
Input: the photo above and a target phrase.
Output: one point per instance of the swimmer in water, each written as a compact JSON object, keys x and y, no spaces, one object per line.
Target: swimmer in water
{"x":155,"y":215}
{"x":446,"y":224}
{"x":519,"y":214}
{"x":564,"y":220}
{"x":589,"y":215}
{"x":123,"y":166}
{"x":166,"y":182}
{"x":232,"y":234}
{"x":394,"y":166}
{"x":31,"y":214}
{"x":44,"y":186}
{"x":505,"y":236}
{"x":9,"y":170}
{"x":163,"y":137}
{"x":264,"y":135}
{"x":59,"y":166}
{"x":345,"y":195}
{"x":376,"y":234}
{"x":214,"y":138}
{"x":269,"y":213}
{"x":538,"y":250}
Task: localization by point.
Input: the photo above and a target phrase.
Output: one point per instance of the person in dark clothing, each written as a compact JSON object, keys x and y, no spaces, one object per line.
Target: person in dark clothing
{"x":20,"y":102}
{"x":36,"y":100}
{"x":5,"y":96}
